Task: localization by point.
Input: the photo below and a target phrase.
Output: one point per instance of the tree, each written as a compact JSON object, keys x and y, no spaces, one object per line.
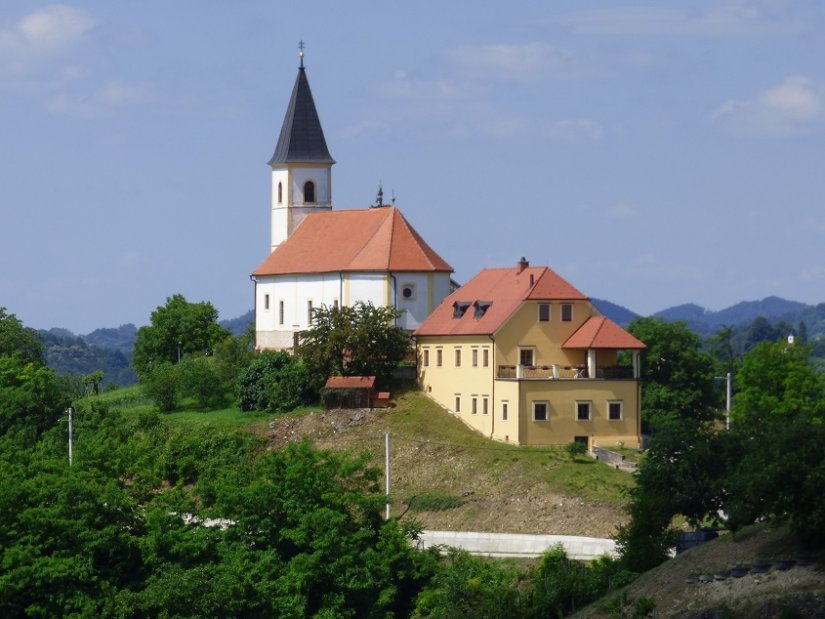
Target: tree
{"x":31,"y":396}
{"x":354,"y":341}
{"x":779,"y":427}
{"x":19,"y":341}
{"x":275,"y":382}
{"x":177,"y":328}
{"x":677,"y":377}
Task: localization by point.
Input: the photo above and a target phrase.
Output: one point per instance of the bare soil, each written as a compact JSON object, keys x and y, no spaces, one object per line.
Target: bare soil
{"x":500,"y":492}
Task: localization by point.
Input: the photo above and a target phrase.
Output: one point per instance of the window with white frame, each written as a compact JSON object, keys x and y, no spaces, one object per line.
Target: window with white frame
{"x":474,"y":405}
{"x":485,"y":410}
{"x":426,"y":357}
{"x":457,"y":403}
{"x":504,"y":410}
{"x":458,"y":357}
{"x":614,"y":410}
{"x":475,"y":357}
{"x":583,"y":411}
{"x":526,"y":356}
{"x":485,"y":357}
{"x":544,"y":312}
{"x":439,"y":357}
{"x":541,"y":411}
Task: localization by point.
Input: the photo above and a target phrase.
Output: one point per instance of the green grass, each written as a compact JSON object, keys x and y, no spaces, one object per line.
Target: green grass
{"x":432,"y":439}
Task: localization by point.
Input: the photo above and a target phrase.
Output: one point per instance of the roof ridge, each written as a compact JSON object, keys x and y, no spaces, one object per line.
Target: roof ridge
{"x":369,"y":240}
{"x":414,"y":234}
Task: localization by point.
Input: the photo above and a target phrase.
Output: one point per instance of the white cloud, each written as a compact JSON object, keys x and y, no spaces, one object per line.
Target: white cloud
{"x":113,"y":95}
{"x":507,"y":61}
{"x":364,"y":127}
{"x":402,"y":86}
{"x":575,"y":130}
{"x":54,"y":27}
{"x":729,"y":19}
{"x":41,"y":36}
{"x":792,"y":107}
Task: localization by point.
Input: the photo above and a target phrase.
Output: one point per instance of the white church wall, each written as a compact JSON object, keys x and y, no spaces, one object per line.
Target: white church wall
{"x":427,"y":290}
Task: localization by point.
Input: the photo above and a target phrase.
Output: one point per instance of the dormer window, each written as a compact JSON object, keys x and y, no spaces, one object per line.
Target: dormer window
{"x":309,"y":192}
{"x":460,"y":308}
{"x":481,"y":308}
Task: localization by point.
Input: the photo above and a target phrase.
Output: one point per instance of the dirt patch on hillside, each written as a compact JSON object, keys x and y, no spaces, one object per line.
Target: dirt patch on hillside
{"x":495,"y":497}
{"x":795,"y":588}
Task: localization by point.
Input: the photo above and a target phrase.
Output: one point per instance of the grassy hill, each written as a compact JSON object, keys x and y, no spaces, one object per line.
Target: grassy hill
{"x":676,"y":591}
{"x":444,"y":475}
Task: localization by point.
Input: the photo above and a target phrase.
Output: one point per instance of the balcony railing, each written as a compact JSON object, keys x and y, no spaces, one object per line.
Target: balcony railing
{"x":561,"y":372}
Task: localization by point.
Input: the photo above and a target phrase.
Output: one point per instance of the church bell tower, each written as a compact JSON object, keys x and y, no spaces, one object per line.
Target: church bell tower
{"x":301,"y":165}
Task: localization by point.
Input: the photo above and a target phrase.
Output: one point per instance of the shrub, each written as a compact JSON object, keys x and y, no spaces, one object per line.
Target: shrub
{"x":160,"y":383}
{"x":274,"y":382}
{"x":199,"y":379}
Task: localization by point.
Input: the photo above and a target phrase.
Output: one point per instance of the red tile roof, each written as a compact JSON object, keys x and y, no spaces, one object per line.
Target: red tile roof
{"x":350,"y":382}
{"x":374,"y":239}
{"x":506,"y":289}
{"x":601,"y":332}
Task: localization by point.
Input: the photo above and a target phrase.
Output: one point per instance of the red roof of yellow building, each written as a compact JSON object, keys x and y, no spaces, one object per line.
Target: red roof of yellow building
{"x":491,"y":297}
{"x":374,"y":239}
{"x":601,"y":332}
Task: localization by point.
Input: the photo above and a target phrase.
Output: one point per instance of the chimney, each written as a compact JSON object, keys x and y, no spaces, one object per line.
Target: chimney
{"x":522,"y":264}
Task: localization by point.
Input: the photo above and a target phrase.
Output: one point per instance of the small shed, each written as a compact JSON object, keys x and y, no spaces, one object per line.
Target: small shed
{"x":353,"y":392}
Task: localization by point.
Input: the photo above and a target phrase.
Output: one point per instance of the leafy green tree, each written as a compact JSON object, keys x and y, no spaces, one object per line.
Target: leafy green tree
{"x":199,"y":379}
{"x":777,"y":379}
{"x":161,"y":383}
{"x":19,"y":341}
{"x":177,"y":329}
{"x":362,"y":340}
{"x":468,"y":587}
{"x":232,"y":355}
{"x":93,"y":380}
{"x":275,"y":382}
{"x":677,"y":377}
{"x":779,"y":434}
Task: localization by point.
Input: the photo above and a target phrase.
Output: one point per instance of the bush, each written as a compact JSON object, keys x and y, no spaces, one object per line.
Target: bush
{"x":199,"y":379}
{"x":274,"y":382}
{"x":576,"y":449}
{"x":160,"y":383}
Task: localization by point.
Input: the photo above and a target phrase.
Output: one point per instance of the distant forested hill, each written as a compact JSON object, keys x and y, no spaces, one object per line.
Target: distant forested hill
{"x":107,"y":349}
{"x":238,"y":325}
{"x":68,"y":353}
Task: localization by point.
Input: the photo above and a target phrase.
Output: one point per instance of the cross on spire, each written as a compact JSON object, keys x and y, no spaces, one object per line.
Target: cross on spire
{"x":301,"y":52}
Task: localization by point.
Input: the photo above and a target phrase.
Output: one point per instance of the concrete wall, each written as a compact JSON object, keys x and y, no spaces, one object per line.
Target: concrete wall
{"x":517,"y":545}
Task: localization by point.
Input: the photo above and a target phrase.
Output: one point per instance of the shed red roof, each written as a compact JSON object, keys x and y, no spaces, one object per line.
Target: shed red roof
{"x":374,"y":239}
{"x":601,"y":332}
{"x":350,"y":382}
{"x":502,"y":290}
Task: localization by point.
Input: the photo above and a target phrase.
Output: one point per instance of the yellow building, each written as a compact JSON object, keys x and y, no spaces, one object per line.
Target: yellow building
{"x":522,"y":356}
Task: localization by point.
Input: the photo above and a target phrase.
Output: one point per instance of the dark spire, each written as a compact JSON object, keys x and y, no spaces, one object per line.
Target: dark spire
{"x":302,"y":139}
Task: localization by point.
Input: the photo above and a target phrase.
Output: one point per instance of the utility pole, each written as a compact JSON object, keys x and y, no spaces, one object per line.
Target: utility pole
{"x":727,"y":379}
{"x":387,"y":470}
{"x":70,"y":411}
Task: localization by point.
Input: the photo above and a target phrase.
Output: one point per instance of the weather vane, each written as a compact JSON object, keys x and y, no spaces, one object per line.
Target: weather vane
{"x":301,"y":52}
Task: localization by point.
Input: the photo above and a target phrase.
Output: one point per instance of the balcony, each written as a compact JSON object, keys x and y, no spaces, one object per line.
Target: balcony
{"x":560,"y":372}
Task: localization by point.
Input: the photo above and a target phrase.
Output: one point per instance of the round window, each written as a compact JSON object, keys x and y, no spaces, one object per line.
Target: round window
{"x":407,"y":292}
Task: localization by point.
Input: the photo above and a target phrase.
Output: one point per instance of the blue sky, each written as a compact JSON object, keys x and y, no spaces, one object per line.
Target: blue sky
{"x":651,"y":153}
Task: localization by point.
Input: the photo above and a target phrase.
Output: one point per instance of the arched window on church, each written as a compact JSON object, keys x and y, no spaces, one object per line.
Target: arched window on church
{"x":280,"y":193}
{"x":309,"y":191}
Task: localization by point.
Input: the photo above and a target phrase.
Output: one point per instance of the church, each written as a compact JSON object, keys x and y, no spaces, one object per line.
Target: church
{"x":325,"y":257}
